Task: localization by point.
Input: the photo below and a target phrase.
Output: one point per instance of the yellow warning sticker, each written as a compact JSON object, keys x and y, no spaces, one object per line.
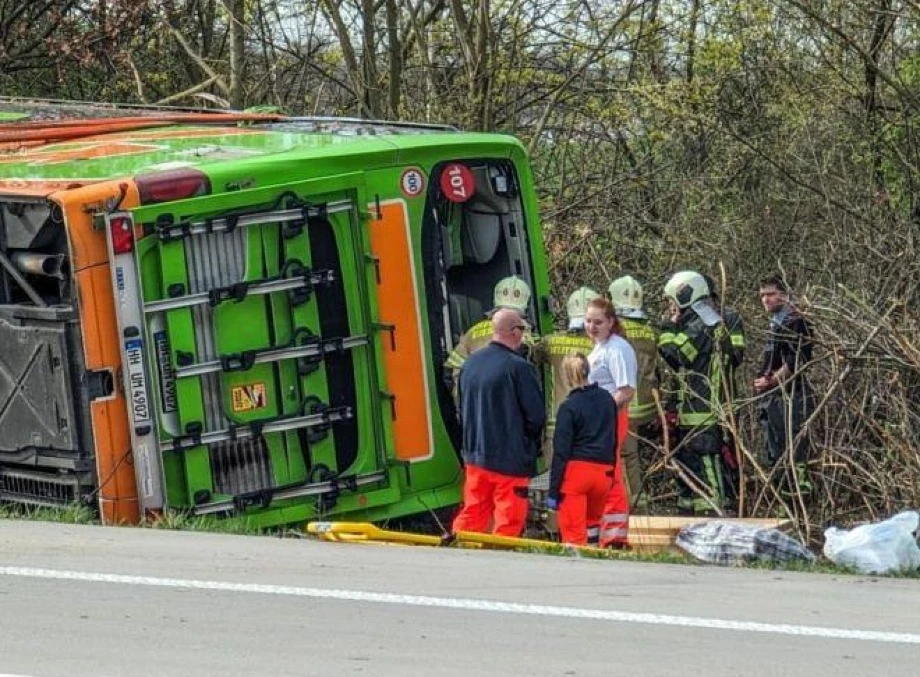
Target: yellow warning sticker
{"x":248,"y":397}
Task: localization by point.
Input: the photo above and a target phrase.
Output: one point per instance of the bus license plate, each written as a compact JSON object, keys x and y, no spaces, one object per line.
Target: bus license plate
{"x":137,"y":382}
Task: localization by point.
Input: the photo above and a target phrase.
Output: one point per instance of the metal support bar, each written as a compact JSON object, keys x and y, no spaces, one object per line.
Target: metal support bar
{"x":173,"y":231}
{"x":333,"y":485}
{"x":246,"y":360}
{"x":275,"y":425}
{"x":239,"y":291}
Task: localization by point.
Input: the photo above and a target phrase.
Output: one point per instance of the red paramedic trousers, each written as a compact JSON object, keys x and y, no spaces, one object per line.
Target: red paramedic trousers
{"x":489,"y":495}
{"x":615,"y":521}
{"x":585,"y":486}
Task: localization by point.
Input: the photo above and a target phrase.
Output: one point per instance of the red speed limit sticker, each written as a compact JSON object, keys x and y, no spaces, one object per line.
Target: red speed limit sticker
{"x":457,"y":182}
{"x":412,"y":182}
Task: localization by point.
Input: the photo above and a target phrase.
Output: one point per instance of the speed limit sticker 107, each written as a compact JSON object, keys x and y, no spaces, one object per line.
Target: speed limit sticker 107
{"x":457,"y":182}
{"x":412,"y":182}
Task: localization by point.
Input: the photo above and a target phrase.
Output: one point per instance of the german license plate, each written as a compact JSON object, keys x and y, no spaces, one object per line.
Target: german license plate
{"x":138,"y":402}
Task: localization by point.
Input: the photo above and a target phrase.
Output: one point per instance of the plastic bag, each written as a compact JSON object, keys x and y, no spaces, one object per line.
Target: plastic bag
{"x":876,"y":548}
{"x":729,"y":543}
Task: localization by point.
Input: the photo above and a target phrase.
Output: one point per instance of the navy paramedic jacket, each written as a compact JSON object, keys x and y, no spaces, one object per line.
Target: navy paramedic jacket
{"x":586,"y":430}
{"x":502,"y":411}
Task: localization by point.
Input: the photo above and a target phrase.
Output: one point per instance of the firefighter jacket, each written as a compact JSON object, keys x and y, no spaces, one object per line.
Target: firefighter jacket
{"x":586,"y":430}
{"x":700,"y":356}
{"x":552,"y":350}
{"x":502,"y":411}
{"x":476,"y":337}
{"x":641,"y":336}
{"x":735,"y":326}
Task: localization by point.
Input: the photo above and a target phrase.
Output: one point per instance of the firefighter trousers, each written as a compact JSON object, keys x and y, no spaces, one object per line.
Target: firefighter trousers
{"x":615,"y":520}
{"x":492,"y":496}
{"x":585,"y":486}
{"x":634,"y":473}
{"x":701,"y":455}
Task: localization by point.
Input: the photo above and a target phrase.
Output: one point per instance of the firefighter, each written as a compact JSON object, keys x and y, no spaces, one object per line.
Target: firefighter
{"x":502,"y":413}
{"x":510,"y":292}
{"x":626,"y":295}
{"x":695,"y":343}
{"x":613,"y":368}
{"x":787,"y":395}
{"x":731,"y":460}
{"x":582,"y":470}
{"x":553,"y":349}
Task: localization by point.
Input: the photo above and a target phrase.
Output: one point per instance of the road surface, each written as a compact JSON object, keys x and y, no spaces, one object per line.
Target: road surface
{"x":82,"y":601}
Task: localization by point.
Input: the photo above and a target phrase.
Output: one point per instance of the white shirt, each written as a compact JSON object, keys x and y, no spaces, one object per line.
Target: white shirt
{"x":613,"y":364}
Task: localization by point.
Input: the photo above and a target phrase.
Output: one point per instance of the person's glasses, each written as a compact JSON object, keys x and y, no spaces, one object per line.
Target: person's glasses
{"x":520,"y":327}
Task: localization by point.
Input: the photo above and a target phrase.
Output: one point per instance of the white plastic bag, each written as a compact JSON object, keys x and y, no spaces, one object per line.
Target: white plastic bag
{"x":876,"y":548}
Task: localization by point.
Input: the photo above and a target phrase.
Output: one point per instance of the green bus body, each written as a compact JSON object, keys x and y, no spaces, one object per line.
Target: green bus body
{"x":298,"y":292}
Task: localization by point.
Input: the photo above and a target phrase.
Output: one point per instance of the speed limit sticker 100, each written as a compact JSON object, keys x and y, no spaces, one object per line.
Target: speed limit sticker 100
{"x":412,"y":182}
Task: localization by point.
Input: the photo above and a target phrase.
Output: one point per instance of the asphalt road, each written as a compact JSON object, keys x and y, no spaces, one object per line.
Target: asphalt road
{"x":79,"y":601}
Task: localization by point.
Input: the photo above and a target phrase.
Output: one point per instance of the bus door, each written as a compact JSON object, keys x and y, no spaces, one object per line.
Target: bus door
{"x":249,"y":347}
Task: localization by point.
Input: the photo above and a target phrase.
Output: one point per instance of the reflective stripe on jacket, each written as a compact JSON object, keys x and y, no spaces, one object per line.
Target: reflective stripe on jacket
{"x":700,"y":356}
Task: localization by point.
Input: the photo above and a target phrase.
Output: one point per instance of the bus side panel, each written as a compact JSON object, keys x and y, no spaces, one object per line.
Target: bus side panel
{"x":398,"y":302}
{"x":115,"y":471}
{"x":433,"y":480}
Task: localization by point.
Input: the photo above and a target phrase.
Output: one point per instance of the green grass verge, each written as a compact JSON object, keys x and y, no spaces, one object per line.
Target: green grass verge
{"x":179,"y":521}
{"x":71,"y":514}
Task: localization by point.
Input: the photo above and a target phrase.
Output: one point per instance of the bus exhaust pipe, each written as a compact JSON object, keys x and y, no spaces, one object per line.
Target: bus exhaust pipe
{"x":48,"y":265}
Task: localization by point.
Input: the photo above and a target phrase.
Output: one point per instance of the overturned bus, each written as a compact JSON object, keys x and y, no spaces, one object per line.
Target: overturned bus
{"x":247,"y":314}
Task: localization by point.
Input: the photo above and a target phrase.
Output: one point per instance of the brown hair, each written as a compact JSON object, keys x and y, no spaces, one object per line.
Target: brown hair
{"x":609,"y":312}
{"x":777,"y":281}
{"x":575,"y":370}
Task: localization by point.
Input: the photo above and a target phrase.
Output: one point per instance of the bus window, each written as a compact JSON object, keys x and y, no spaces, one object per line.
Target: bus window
{"x":474,"y":234}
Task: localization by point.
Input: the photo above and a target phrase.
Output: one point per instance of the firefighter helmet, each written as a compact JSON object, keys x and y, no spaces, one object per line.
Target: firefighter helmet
{"x":577,"y":306}
{"x":626,"y":295}
{"x":512,"y":292}
{"x":686,"y":288}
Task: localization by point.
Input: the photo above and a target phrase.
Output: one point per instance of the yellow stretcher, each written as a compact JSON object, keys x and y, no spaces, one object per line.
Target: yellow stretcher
{"x":365,"y":532}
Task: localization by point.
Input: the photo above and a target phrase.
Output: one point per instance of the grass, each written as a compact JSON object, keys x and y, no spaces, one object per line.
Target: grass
{"x":69,"y":514}
{"x":179,"y":521}
{"x":182,"y":521}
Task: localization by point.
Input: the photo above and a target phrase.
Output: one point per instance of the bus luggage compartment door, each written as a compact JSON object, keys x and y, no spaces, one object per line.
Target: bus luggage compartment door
{"x":259,"y":350}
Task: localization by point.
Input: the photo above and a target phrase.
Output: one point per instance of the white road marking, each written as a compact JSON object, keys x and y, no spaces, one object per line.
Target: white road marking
{"x":471,"y":605}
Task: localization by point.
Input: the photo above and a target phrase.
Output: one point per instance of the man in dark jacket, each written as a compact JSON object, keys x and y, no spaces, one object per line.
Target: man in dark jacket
{"x":502,"y":413}
{"x":787,"y":396}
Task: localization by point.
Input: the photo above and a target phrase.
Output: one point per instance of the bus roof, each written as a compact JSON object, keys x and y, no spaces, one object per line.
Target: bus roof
{"x":41,"y":157}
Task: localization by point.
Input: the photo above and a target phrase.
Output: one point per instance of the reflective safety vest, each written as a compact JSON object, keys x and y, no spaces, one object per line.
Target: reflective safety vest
{"x":700,"y":356}
{"x":642,"y":338}
{"x":552,"y":350}
{"x":735,"y":327}
{"x":476,"y":337}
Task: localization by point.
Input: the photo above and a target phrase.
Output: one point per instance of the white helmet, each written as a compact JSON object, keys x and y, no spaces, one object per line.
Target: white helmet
{"x":512,"y":292}
{"x":626,"y":295}
{"x":686,"y":288}
{"x":577,"y":306}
